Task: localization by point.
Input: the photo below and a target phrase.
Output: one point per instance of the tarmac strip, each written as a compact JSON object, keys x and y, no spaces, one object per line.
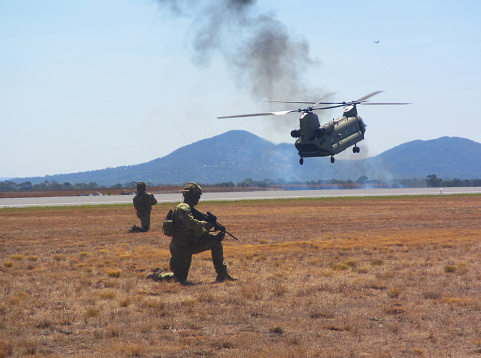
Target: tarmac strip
{"x":231,"y":196}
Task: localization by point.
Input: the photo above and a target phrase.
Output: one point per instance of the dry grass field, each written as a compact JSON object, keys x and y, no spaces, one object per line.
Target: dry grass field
{"x":353,"y":277}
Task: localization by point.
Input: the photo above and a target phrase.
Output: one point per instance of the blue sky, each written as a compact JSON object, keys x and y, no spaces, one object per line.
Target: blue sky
{"x":87,"y":85}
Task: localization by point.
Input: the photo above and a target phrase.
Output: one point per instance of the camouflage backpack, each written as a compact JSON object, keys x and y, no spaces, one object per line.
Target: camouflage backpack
{"x":141,"y":202}
{"x":168,"y":224}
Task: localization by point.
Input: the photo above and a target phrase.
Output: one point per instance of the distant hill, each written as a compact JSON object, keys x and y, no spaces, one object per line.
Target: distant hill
{"x":447,"y":157}
{"x":237,"y":155}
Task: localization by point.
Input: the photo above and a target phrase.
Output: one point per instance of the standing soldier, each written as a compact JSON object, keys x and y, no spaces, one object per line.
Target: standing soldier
{"x":191,"y":236}
{"x":143,"y":202}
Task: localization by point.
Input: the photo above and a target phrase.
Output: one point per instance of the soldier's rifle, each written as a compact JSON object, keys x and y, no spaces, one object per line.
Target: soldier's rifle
{"x":212,"y":219}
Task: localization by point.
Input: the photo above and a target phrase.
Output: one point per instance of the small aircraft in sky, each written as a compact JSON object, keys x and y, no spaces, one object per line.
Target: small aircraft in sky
{"x":376,"y":42}
{"x":314,"y":140}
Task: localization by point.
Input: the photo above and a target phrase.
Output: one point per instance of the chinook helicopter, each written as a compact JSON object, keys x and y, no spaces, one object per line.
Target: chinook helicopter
{"x":314,"y":140}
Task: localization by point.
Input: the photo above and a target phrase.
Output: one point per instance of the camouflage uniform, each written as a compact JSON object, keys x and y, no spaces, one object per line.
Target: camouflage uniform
{"x":191,"y":237}
{"x":143,"y":202}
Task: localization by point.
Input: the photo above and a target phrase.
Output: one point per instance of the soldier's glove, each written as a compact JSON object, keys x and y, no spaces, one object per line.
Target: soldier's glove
{"x":219,"y":236}
{"x":209,"y":226}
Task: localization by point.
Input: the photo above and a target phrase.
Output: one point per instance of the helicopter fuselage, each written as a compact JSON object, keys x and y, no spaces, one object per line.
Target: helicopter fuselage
{"x":314,"y":140}
{"x":329,"y":139}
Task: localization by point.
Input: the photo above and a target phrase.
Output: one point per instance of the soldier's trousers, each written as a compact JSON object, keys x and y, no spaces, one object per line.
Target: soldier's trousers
{"x":182,"y":256}
{"x":144,"y":220}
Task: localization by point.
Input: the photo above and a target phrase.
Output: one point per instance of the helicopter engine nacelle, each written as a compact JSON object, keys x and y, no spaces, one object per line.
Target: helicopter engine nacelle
{"x":350,"y":111}
{"x":318,"y":133}
{"x":296,"y":133}
{"x":321,"y":131}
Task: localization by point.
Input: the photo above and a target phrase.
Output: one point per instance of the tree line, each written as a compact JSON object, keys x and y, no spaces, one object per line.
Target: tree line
{"x":431,"y":181}
{"x":8,"y":186}
{"x":363,"y":181}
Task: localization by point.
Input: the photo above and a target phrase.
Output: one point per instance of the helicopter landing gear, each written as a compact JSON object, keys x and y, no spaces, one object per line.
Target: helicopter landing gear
{"x":333,"y":160}
{"x":356,"y":149}
{"x":301,"y":161}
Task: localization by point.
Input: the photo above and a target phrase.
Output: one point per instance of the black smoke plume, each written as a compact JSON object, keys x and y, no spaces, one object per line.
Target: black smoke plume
{"x":258,"y":48}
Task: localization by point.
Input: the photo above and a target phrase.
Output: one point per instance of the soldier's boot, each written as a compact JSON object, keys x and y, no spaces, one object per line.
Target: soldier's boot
{"x":182,"y":280}
{"x":135,"y":228}
{"x":225,"y":276}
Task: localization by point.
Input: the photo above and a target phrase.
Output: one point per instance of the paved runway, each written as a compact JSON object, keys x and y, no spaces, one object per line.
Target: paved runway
{"x":256,"y":195}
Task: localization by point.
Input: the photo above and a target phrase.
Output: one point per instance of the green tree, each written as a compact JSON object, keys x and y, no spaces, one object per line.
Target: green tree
{"x":41,"y":186}
{"x":25,"y":186}
{"x":246,"y":183}
{"x":362,"y":179}
{"x":8,"y":186}
{"x":433,"y":181}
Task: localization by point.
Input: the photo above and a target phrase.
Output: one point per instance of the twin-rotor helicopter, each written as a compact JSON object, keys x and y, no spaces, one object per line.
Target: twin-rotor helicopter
{"x":314,"y":140}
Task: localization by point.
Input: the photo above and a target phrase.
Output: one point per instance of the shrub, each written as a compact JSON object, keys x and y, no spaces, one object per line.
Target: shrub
{"x":276,"y":330}
{"x":6,"y":349}
{"x":189,"y":302}
{"x":108,"y":295}
{"x":338,"y":266}
{"x":154,"y":304}
{"x":377,"y":262}
{"x":124,"y":302}
{"x":19,"y":297}
{"x":362,"y":270}
{"x":114,"y":273}
{"x":449,"y":268}
{"x":351,"y":263}
{"x":279,"y":290}
{"x":92,"y":312}
{"x":394,"y":292}
{"x":59,"y":257}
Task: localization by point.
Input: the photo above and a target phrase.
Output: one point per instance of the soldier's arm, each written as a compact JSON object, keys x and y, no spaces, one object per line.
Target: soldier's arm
{"x":185,"y":214}
{"x":153,"y":200}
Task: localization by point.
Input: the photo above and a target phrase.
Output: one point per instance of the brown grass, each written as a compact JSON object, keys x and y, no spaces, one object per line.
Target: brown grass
{"x":356,"y":277}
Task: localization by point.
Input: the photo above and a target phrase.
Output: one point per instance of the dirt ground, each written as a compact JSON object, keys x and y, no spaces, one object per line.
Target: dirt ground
{"x":350,"y":277}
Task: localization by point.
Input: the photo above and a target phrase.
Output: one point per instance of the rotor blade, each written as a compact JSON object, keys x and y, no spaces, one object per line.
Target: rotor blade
{"x":368,"y":96}
{"x":321,"y":101}
{"x":259,"y":114}
{"x":300,"y":102}
{"x":313,"y":103}
{"x":380,"y":103}
{"x":336,"y":106}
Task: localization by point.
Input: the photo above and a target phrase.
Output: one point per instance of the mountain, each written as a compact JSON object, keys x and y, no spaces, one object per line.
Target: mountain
{"x":447,"y":157}
{"x":238,"y":155}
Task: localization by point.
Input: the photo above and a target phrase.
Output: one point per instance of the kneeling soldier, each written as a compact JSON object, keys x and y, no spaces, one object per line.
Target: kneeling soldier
{"x":191,"y":236}
{"x":143,"y":202}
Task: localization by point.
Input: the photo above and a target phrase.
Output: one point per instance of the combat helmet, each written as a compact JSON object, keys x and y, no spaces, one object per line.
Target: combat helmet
{"x":141,"y":186}
{"x":192,"y":191}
